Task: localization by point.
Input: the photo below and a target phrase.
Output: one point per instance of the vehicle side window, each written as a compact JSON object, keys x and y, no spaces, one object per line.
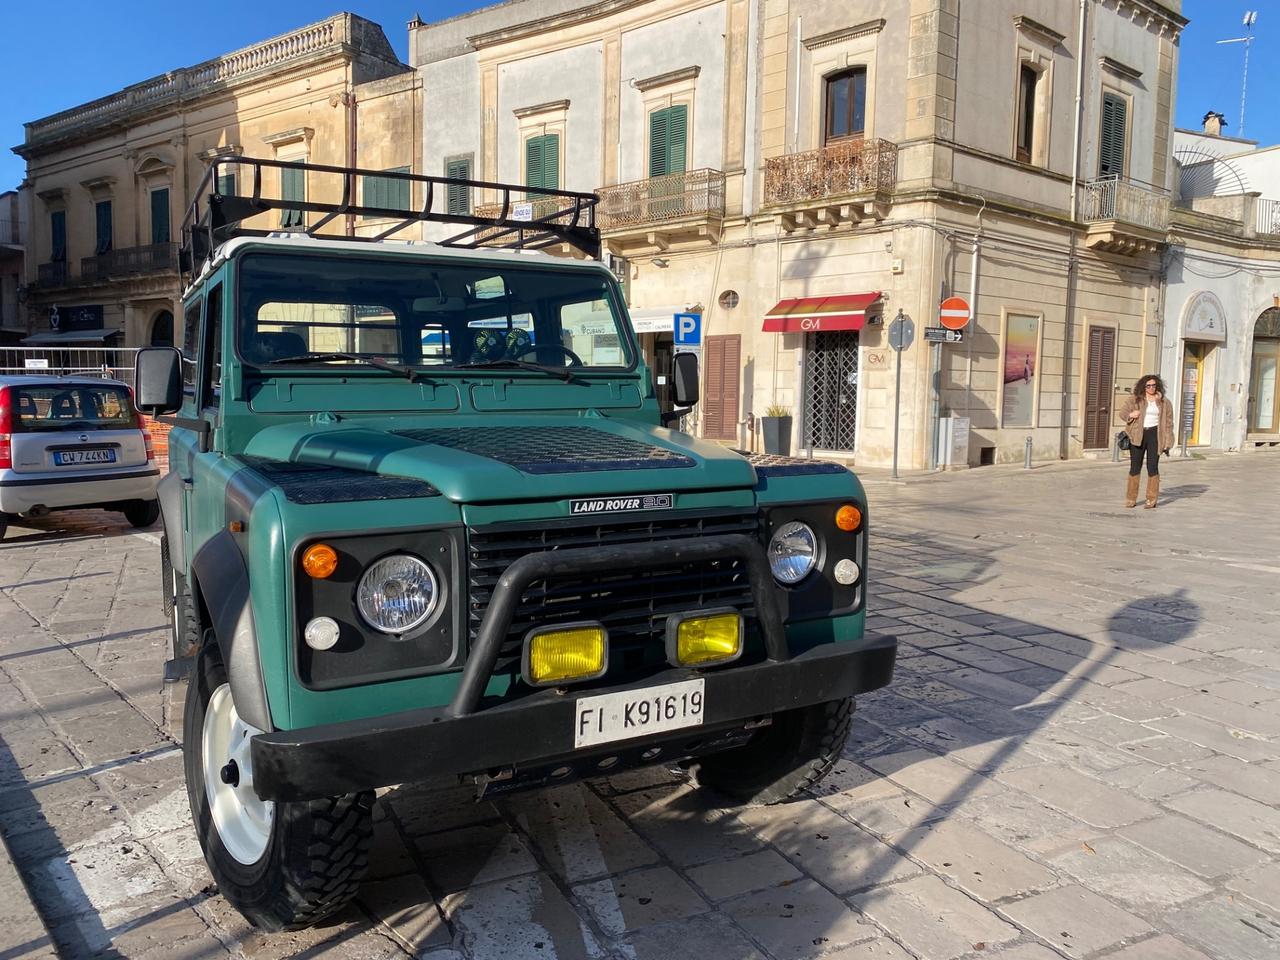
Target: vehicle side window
{"x":190,"y":344}
{"x":211,"y":350}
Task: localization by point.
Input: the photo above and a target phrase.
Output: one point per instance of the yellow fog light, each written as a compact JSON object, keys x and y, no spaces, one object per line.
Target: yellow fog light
{"x":576,"y":651}
{"x":713,"y":636}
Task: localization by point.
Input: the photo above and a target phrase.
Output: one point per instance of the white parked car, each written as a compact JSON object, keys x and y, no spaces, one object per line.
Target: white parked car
{"x":73,"y":442}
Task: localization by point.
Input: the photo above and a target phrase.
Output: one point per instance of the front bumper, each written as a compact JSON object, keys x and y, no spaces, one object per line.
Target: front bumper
{"x":436,"y":743}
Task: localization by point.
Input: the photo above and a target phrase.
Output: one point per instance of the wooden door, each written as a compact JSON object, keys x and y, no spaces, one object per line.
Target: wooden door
{"x":1099,"y":387}
{"x":721,"y":383}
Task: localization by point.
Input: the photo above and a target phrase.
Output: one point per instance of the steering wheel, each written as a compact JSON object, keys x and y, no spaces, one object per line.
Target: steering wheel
{"x":573,"y":358}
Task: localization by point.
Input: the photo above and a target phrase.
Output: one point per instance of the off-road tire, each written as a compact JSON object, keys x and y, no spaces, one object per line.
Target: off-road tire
{"x":783,"y":760}
{"x":141,"y":513}
{"x":318,"y":851}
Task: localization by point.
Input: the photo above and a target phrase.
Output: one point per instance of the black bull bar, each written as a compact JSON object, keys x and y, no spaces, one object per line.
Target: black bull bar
{"x":430,"y":742}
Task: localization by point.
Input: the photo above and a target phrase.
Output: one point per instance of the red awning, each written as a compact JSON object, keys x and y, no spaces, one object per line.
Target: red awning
{"x":810,"y":314}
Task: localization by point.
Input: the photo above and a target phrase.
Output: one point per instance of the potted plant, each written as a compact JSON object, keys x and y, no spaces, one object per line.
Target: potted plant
{"x":776,"y":427}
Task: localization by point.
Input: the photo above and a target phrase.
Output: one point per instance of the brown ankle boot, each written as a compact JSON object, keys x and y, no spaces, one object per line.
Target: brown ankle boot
{"x":1153,"y":491}
{"x":1131,"y":491}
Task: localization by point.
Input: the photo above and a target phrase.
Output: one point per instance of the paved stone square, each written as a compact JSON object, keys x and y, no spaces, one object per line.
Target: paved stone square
{"x":1079,"y":757}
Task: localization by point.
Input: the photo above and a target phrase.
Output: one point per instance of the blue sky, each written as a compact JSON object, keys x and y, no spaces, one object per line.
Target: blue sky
{"x":77,"y":54}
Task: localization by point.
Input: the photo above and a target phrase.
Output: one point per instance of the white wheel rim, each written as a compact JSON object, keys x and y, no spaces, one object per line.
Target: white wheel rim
{"x":242,"y":819}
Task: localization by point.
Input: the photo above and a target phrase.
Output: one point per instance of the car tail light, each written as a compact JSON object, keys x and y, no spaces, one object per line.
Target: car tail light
{"x":6,"y":430}
{"x":144,"y":425}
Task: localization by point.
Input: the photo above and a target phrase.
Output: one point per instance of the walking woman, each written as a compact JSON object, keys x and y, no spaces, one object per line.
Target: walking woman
{"x":1148,"y":419}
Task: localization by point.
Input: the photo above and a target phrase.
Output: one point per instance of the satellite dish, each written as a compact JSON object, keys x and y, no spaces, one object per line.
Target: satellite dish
{"x":1202,"y":172}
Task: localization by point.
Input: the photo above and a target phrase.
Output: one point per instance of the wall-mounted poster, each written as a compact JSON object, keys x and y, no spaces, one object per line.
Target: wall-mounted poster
{"x":1021,"y":336}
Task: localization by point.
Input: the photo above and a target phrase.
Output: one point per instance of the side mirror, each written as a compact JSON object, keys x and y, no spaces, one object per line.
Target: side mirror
{"x":157,"y":380}
{"x":684,"y":370}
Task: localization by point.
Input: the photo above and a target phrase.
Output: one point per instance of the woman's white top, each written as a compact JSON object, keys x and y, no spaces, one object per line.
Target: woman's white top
{"x":1152,"y":419}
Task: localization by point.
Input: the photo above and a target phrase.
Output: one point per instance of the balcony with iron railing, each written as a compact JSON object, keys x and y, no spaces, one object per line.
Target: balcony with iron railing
{"x":845,"y":181}
{"x":660,"y":211}
{"x":55,"y":273}
{"x":1124,"y":216}
{"x":130,"y":261}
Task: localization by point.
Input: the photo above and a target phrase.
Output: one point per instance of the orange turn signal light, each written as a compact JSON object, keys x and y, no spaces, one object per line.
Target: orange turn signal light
{"x":849,"y":517}
{"x":319,"y":561}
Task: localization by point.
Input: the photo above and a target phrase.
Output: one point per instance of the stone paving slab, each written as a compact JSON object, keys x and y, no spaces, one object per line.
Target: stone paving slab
{"x":1068,"y":765}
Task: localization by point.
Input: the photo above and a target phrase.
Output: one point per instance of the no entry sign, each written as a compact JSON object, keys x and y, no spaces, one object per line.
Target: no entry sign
{"x":954,"y":313}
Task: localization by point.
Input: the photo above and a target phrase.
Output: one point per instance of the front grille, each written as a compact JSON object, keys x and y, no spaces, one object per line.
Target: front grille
{"x":632,"y":604}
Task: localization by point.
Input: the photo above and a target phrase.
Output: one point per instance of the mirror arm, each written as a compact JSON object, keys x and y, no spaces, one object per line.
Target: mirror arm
{"x":198,"y":425}
{"x":672,"y":416}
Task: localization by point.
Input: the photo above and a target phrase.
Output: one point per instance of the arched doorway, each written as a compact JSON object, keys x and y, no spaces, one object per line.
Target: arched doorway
{"x":1264,"y":399}
{"x":162,"y":329}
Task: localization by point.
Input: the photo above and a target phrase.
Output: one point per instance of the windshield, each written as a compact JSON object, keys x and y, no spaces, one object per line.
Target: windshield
{"x":434,"y":314}
{"x":62,"y":406}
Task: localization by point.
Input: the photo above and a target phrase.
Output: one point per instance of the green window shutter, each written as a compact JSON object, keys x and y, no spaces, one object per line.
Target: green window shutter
{"x":160,"y":216}
{"x":658,"y":143}
{"x":1111,"y":142}
{"x":58,"y":233}
{"x":551,"y":161}
{"x":458,"y":197}
{"x":533,"y":162}
{"x":226,"y":184}
{"x":293,"y":186}
{"x":102,"y":213}
{"x":398,"y":190}
{"x":677,"y":134}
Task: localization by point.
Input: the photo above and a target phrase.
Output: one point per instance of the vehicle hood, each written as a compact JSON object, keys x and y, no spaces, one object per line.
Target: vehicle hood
{"x":473,"y":460}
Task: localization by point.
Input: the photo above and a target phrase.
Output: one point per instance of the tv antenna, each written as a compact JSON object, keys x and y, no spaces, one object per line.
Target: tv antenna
{"x":1250,"y":18}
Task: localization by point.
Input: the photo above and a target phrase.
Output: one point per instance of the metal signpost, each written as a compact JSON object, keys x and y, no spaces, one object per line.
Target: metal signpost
{"x":901,"y":332}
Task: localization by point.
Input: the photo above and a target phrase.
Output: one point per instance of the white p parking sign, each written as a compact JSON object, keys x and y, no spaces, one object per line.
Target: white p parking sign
{"x":688,"y":332}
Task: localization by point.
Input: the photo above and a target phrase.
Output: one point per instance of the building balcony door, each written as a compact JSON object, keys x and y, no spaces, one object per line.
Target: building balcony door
{"x":831,"y":390}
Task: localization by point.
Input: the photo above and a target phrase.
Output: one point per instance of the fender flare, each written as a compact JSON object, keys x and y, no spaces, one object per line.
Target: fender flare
{"x":223,"y":580}
{"x":169,"y":493}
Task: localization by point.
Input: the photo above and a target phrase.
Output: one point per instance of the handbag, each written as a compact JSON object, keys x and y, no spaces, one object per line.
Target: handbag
{"x":1123,"y":441}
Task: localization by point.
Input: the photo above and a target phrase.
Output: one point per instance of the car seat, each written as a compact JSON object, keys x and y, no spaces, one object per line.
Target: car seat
{"x":265,"y":347}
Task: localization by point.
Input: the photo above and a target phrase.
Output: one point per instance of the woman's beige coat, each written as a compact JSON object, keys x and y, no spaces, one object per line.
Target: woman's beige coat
{"x":1134,"y":429}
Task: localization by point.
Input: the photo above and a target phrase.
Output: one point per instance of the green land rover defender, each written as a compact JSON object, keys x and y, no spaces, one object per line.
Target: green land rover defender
{"x":424,"y":521}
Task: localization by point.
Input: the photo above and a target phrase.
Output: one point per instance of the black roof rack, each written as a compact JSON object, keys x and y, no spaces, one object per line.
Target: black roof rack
{"x":526,"y":217}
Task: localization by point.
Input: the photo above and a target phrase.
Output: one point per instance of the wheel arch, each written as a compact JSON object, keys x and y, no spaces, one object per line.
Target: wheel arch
{"x":219,"y":582}
{"x":169,"y":493}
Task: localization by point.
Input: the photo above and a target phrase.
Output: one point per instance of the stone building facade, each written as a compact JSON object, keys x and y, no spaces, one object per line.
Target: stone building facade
{"x":801,"y":171}
{"x":110,"y":180}
{"x":13,"y":242}
{"x":1221,"y":349}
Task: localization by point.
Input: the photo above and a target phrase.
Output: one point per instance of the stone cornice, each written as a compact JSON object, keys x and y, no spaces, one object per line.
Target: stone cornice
{"x":1037,"y":29}
{"x":1154,"y":13}
{"x":294,"y":135}
{"x":551,"y":106}
{"x":845,"y":33}
{"x":1116,"y":68}
{"x":671,"y":76}
{"x":558,"y":21}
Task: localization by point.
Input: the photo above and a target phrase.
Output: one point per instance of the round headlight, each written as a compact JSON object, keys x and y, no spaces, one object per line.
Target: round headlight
{"x":793,"y":551}
{"x":397,"y":593}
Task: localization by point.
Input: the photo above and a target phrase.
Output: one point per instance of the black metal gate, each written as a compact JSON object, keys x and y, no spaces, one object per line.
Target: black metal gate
{"x":831,"y":390}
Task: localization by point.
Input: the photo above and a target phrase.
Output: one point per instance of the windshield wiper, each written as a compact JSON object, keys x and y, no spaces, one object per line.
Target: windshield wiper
{"x":303,"y":358}
{"x":564,"y":373}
